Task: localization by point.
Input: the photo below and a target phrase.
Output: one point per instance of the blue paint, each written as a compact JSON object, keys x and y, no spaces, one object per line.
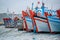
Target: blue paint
{"x":34,"y":29}
{"x":36,"y":9}
{"x":42,"y":7}
{"x":53,"y":19}
{"x":29,"y":20}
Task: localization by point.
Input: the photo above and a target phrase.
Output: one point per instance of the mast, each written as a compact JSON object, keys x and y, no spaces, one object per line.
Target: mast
{"x":42,"y":7}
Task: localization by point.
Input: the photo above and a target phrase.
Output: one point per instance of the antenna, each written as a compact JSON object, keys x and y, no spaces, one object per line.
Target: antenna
{"x":51,"y":9}
{"x":42,"y":1}
{"x":8,"y":13}
{"x":7,"y":10}
{"x":32,"y":5}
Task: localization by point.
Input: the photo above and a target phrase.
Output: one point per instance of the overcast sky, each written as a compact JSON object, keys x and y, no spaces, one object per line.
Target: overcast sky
{"x":18,"y":5}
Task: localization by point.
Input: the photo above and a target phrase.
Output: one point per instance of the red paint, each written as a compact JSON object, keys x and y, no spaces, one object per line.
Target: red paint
{"x":58,"y":13}
{"x":24,"y":14}
{"x":6,"y":18}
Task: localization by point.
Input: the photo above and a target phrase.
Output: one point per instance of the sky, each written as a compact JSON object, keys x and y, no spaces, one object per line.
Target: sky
{"x":18,"y":5}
